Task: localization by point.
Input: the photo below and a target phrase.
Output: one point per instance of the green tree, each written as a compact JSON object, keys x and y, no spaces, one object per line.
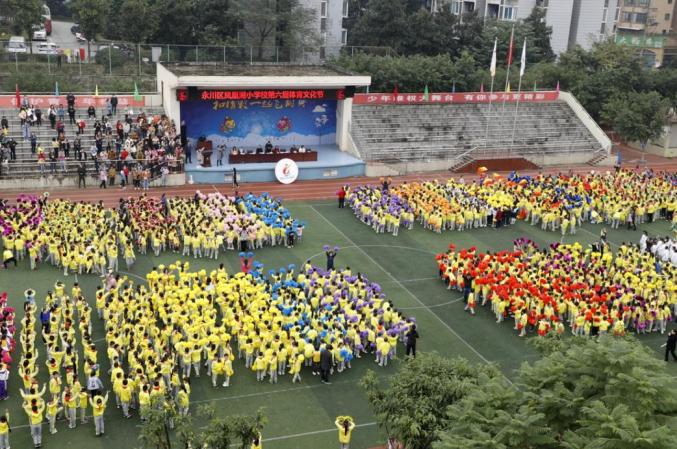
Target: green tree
{"x":383,"y":24}
{"x":284,"y":23}
{"x":412,"y":408}
{"x":179,"y":23}
{"x":138,"y":20}
{"x":91,"y":16}
{"x":155,"y":432}
{"x":637,"y":116}
{"x":539,"y":35}
{"x":26,"y":14}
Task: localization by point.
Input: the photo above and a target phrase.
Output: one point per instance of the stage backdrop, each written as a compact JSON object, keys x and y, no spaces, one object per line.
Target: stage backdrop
{"x":251,"y":123}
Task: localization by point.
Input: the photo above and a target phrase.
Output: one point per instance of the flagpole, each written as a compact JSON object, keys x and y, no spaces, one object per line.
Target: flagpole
{"x":492,"y":71}
{"x":507,"y":73}
{"x":523,"y":63}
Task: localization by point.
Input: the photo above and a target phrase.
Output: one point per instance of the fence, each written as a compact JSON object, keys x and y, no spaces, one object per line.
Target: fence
{"x":130,"y":59}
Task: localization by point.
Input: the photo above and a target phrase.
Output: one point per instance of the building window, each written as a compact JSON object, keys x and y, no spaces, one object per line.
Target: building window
{"x":602,"y":29}
{"x":667,"y":16}
{"x":456,"y":7}
{"x":508,"y":13}
{"x":323,"y":25}
{"x":344,"y":36}
{"x":618,"y":11}
{"x":323,"y":9}
{"x":345,"y":8}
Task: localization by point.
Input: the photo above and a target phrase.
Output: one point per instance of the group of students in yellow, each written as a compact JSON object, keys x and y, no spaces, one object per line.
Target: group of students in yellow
{"x":556,"y":202}
{"x":83,"y":237}
{"x":162,"y":335}
{"x":65,"y":394}
{"x":593,"y":290}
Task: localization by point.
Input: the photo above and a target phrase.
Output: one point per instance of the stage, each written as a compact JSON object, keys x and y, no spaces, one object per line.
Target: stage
{"x":332,"y":163}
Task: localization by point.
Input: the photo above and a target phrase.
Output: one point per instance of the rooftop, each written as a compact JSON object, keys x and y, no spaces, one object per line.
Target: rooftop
{"x":215,"y":69}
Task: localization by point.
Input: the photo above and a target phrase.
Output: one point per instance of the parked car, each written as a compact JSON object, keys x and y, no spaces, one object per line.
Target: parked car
{"x":17,"y":44}
{"x":47,"y":48}
{"x":40,"y":34}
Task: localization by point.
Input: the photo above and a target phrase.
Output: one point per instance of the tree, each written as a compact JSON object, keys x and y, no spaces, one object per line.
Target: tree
{"x":383,"y":24}
{"x":138,"y":20}
{"x":539,"y":37}
{"x":222,"y":430}
{"x":91,"y":16}
{"x":26,"y":14}
{"x":412,"y":408}
{"x":283,"y":22}
{"x":584,"y":393}
{"x":637,"y":116}
{"x":179,"y":24}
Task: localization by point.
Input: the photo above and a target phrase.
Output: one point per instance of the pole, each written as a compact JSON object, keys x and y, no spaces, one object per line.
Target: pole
{"x":16,"y":62}
{"x":110,"y":55}
{"x":507,"y":73}
{"x":79,"y":62}
{"x":517,"y":105}
{"x":491,"y":94}
{"x":251,"y":55}
{"x":138,"y":52}
{"x":196,"y":53}
{"x":224,"y":55}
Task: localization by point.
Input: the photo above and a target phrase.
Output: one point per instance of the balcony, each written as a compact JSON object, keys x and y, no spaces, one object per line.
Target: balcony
{"x":632,"y":26}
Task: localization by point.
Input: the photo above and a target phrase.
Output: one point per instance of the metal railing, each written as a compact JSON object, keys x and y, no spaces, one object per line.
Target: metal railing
{"x":69,"y":167}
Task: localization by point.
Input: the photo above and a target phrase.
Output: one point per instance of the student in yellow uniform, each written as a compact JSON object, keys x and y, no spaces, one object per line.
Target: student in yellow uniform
{"x":98,"y":404}
{"x":70,"y":402}
{"x":53,"y":410}
{"x":257,"y":442}
{"x":35,"y":410}
{"x":345,"y":426}
{"x":4,"y":430}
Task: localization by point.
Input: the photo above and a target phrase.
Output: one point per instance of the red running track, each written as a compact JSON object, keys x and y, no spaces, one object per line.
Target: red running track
{"x":301,"y":190}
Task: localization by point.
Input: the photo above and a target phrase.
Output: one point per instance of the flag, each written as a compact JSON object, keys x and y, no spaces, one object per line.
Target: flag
{"x":56,"y":89}
{"x":453,"y":87}
{"x":534,"y":86}
{"x":96,"y":90}
{"x":492,"y":68}
{"x":507,"y":87}
{"x":395,"y":90}
{"x":482,"y":87}
{"x":523,"y":60}
{"x":512,"y":35}
{"x":17,"y":97}
{"x":557,"y":88}
{"x":137,"y":96}
{"x":425,"y":93}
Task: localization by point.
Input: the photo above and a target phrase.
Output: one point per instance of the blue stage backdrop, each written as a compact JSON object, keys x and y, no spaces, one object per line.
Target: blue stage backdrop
{"x":251,"y":123}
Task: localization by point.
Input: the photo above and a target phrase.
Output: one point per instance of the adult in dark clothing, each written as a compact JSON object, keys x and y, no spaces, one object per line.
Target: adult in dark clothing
{"x":82,"y":172}
{"x":114,"y":104}
{"x":671,"y":345}
{"x":71,"y":115}
{"x":235,"y":183}
{"x":70,"y":99}
{"x":38,"y":116}
{"x":45,"y":316}
{"x":331,"y":255}
{"x":411,"y":337}
{"x":325,"y":364}
{"x":467,"y":286}
{"x":4,"y":123}
{"x":12,"y":148}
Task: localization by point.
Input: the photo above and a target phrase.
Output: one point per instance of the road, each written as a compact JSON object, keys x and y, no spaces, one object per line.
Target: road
{"x":64,"y":39}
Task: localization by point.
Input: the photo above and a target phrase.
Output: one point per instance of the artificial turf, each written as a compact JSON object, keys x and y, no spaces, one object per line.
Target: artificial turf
{"x":302,"y":416}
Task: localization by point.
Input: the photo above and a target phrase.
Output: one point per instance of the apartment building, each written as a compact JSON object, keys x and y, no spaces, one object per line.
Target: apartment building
{"x":573,"y":22}
{"x":649,"y":25}
{"x":329,"y":24}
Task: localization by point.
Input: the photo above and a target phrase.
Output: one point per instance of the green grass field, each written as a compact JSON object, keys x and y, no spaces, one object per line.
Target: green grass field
{"x":301,"y":416}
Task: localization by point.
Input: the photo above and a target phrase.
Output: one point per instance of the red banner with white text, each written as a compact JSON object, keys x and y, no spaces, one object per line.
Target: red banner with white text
{"x":81,"y":101}
{"x":459,"y":98}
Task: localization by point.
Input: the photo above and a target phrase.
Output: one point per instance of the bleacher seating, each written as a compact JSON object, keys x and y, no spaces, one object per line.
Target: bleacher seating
{"x":26,"y":165}
{"x":405,"y":133}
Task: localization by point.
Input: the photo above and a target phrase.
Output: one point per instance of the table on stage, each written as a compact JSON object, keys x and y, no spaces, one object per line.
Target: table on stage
{"x":255,"y":158}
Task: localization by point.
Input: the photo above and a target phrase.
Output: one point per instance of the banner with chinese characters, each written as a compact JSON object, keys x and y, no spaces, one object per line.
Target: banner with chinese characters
{"x":259,"y":94}
{"x":252,"y":123}
{"x":81,"y":101}
{"x":460,"y":98}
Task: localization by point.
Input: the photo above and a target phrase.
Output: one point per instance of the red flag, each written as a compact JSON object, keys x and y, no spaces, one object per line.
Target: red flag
{"x":395,"y":90}
{"x":18,"y":97}
{"x":512,"y":35}
{"x":482,"y":87}
{"x":557,"y":88}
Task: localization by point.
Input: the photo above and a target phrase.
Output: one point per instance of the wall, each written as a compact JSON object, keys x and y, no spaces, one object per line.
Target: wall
{"x":588,"y":121}
{"x":166,"y":85}
{"x":589,"y":22}
{"x":559,"y":16}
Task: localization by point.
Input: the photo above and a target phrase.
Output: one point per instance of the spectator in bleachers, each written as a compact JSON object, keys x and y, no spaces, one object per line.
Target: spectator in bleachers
{"x":71,"y":114}
{"x":77,"y":149}
{"x":53,"y":155}
{"x":41,"y":160}
{"x":102,"y":178}
{"x":26,"y":131}
{"x":91,"y":112}
{"x":34,"y":143}
{"x":109,"y":108}
{"x":11,"y":144}
{"x":114,"y":104}
{"x":52,"y":116}
{"x":60,"y":113}
{"x":4,"y":122}
{"x":70,"y":99}
{"x":81,"y":126}
{"x":38,"y":116}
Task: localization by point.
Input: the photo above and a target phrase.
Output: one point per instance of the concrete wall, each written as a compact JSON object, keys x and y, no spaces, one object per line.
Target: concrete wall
{"x":60,"y":182}
{"x":559,"y":16}
{"x":588,"y":121}
{"x":166,"y":86}
{"x":589,"y":22}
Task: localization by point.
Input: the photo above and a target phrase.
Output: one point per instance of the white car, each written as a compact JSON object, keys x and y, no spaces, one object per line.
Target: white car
{"x":40,"y":35}
{"x":47,"y":48}
{"x":17,"y":44}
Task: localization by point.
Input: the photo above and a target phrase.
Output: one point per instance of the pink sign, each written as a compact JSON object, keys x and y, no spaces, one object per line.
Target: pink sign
{"x":460,"y":98}
{"x":81,"y":101}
